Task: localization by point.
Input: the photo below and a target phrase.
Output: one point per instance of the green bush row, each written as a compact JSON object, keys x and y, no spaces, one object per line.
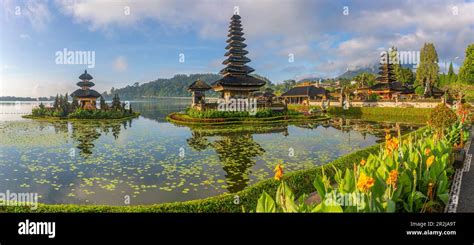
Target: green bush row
{"x":180,"y":118}
{"x":245,"y":200}
{"x":40,"y":113}
{"x":100,"y":114}
{"x":388,"y":111}
{"x":214,"y":114}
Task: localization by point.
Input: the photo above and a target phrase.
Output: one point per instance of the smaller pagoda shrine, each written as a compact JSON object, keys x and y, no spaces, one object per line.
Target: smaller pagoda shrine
{"x":86,"y":96}
{"x":198,"y":88}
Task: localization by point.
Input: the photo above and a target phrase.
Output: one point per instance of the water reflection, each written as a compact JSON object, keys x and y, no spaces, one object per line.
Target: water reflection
{"x":140,"y":157}
{"x":158,"y":110}
{"x":237,"y":151}
{"x":84,"y":134}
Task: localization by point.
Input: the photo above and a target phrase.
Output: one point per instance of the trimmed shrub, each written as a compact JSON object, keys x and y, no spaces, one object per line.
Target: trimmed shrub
{"x":442,"y":117}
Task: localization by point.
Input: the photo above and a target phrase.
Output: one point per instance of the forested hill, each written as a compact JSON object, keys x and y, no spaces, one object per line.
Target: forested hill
{"x":176,"y":86}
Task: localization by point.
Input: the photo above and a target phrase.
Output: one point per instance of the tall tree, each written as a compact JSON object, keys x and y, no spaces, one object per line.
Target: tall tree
{"x":103,"y":105}
{"x":451,"y":70}
{"x":427,"y":72}
{"x":466,"y":72}
{"x":393,"y":55}
{"x":74,"y":104}
{"x":116,"y":105}
{"x":56,"y":102}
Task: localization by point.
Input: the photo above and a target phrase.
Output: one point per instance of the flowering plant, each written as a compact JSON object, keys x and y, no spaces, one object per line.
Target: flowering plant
{"x":404,"y":176}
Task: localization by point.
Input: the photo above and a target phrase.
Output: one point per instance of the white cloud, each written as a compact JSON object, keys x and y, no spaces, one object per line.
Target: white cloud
{"x":120,"y":64}
{"x":38,"y":14}
{"x":25,"y":36}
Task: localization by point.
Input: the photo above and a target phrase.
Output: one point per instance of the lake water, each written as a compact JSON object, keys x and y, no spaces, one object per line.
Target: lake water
{"x":153,"y":161}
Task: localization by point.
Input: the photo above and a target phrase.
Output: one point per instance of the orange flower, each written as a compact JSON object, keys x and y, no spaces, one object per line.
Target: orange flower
{"x":427,"y":151}
{"x":364,"y":183}
{"x":430,"y":161}
{"x":362,"y":162}
{"x":391,"y":145}
{"x":278,"y":171}
{"x":392,"y":178}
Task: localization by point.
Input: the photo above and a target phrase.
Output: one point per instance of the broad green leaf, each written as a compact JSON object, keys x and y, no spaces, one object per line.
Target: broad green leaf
{"x":323,"y":208}
{"x":390,"y":206}
{"x":266,"y":204}
{"x":285,"y":198}
{"x":319,"y":185}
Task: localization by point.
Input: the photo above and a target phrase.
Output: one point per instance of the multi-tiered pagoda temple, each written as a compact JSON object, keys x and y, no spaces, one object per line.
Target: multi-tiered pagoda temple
{"x":86,"y":96}
{"x":236,"y":83}
{"x":388,"y":86}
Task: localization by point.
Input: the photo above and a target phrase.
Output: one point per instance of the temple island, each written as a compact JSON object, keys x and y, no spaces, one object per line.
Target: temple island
{"x":243,"y":97}
{"x":83,"y":105}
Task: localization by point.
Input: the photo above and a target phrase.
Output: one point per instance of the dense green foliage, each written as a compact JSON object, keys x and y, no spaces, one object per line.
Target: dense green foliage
{"x":62,"y":108}
{"x":466,"y":72}
{"x":442,"y":117}
{"x":99,"y":114}
{"x":261,"y":113}
{"x":215,"y":113}
{"x":177,"y":86}
{"x":427,"y":72}
{"x":365,"y":79}
{"x":405,"y":75}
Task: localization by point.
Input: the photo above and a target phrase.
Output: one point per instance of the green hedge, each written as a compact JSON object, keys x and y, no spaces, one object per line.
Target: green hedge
{"x":87,"y":116}
{"x":216,"y":114}
{"x":386,"y":111}
{"x":100,"y":114}
{"x":184,"y":119}
{"x":299,"y":181}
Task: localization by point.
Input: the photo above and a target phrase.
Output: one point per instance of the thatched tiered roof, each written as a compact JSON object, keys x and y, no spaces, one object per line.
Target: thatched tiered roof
{"x":236,"y":73}
{"x":85,"y":84}
{"x":199,"y":85}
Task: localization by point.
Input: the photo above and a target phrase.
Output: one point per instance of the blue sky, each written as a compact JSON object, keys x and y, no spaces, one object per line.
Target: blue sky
{"x":324,"y":37}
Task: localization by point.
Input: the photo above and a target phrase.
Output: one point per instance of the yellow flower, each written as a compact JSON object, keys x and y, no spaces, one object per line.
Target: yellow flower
{"x":388,"y":136}
{"x":429,"y":161}
{"x":362,"y":162}
{"x":278,"y":171}
{"x":392,"y":178}
{"x":364,"y":183}
{"x":427,"y":151}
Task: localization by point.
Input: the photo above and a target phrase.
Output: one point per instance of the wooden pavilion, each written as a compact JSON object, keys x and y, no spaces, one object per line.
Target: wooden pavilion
{"x":303,"y":93}
{"x":198,"y":89}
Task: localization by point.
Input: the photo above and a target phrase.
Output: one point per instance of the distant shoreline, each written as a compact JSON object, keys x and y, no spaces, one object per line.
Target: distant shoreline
{"x":32,"y":100}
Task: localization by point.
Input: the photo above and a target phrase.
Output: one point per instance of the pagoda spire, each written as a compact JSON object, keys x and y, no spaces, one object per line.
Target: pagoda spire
{"x":386,"y":70}
{"x":236,"y":81}
{"x":236,"y":59}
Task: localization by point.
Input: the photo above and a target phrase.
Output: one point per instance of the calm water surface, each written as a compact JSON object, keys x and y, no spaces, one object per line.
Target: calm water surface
{"x":154,"y":161}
